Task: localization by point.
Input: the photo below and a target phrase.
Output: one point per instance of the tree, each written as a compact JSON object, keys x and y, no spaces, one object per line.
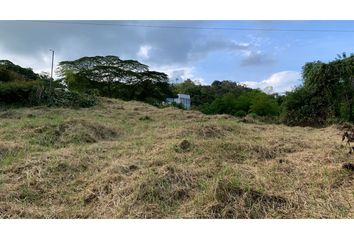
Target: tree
{"x":203,"y":95}
{"x":12,"y":72}
{"x":114,"y":77}
{"x":327,"y":93}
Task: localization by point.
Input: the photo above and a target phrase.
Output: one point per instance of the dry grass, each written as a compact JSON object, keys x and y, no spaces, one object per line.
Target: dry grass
{"x":131,"y":160}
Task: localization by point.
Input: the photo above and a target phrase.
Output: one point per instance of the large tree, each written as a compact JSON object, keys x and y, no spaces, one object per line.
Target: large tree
{"x":123,"y":78}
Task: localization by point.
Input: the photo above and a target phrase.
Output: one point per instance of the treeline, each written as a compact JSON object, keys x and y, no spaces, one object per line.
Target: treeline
{"x":326,"y":95}
{"x":227,"y":97}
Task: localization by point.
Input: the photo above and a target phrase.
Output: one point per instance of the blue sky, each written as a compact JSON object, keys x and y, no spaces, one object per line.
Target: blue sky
{"x":256,"y":58}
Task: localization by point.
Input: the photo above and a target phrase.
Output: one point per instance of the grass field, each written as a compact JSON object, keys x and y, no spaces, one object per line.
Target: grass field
{"x":132,"y":160}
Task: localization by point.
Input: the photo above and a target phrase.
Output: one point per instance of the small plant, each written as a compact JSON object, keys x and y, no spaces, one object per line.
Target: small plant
{"x":240,"y":113}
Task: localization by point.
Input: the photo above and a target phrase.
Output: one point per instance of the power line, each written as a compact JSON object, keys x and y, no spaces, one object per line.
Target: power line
{"x":192,"y":27}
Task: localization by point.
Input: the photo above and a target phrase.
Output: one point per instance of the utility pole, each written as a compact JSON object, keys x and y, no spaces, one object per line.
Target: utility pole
{"x":51,"y":71}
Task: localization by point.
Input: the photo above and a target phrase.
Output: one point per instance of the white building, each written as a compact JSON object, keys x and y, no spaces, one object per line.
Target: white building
{"x":183,"y":99}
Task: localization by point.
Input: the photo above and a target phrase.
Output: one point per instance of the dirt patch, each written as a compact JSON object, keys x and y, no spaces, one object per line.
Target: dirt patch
{"x":72,"y":132}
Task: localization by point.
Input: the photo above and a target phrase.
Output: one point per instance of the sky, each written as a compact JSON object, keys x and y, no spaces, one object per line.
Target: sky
{"x":203,"y":51}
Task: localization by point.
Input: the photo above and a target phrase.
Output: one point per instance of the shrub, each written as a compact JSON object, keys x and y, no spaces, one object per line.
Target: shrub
{"x":16,"y":92}
{"x":177,"y":105}
{"x":302,"y":107}
{"x":240,"y":113}
{"x":60,"y":97}
{"x":34,"y":93}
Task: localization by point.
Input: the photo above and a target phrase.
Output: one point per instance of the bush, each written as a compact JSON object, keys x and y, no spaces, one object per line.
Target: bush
{"x":60,"y":97}
{"x":177,"y":105}
{"x":240,"y":113}
{"x":16,"y":92}
{"x":72,"y":99}
{"x":34,"y":93}
{"x":254,"y":101}
{"x":302,"y":107}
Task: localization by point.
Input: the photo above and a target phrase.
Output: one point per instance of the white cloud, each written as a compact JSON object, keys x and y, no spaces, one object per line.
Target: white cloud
{"x":39,"y":62}
{"x":280,"y":82}
{"x":202,"y":47}
{"x":179,"y":73}
{"x":257,"y":57}
{"x":144,"y":52}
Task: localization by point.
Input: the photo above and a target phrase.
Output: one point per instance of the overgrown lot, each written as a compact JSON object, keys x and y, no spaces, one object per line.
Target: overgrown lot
{"x":131,"y":160}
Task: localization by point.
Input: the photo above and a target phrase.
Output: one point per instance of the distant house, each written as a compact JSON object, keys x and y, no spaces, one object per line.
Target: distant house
{"x":183,"y":99}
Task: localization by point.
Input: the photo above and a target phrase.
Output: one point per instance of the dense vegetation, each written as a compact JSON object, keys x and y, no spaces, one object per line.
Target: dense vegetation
{"x":325,"y":96}
{"x":229,"y":98}
{"x":21,"y":86}
{"x":110,"y":76}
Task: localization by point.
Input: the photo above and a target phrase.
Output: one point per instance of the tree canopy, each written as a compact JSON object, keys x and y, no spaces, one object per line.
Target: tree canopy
{"x":114,"y":77}
{"x":12,"y":72}
{"x":327,"y":93}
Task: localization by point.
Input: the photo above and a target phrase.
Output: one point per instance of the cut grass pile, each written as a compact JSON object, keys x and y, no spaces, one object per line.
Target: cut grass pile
{"x":132,"y":160}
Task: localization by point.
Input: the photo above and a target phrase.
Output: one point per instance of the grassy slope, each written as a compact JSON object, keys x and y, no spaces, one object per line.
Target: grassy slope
{"x":126,"y":160}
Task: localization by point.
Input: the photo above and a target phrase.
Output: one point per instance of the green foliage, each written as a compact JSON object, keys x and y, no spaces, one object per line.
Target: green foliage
{"x":17,"y":92}
{"x":264,"y":105}
{"x":202,"y":95}
{"x":177,"y":105}
{"x":297,"y":110}
{"x":112,"y":77}
{"x":254,"y":101}
{"x":34,"y":93}
{"x":26,"y":92}
{"x":327,"y":94}
{"x":240,"y":113}
{"x":11,"y":72}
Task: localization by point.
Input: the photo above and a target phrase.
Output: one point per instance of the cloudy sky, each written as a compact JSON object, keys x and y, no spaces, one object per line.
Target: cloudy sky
{"x":204,"y":51}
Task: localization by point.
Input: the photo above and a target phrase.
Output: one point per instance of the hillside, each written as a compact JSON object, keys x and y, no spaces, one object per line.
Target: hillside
{"x":132,"y":160}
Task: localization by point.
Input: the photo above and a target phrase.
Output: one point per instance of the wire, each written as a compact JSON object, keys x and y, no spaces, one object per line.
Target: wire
{"x":192,"y":27}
